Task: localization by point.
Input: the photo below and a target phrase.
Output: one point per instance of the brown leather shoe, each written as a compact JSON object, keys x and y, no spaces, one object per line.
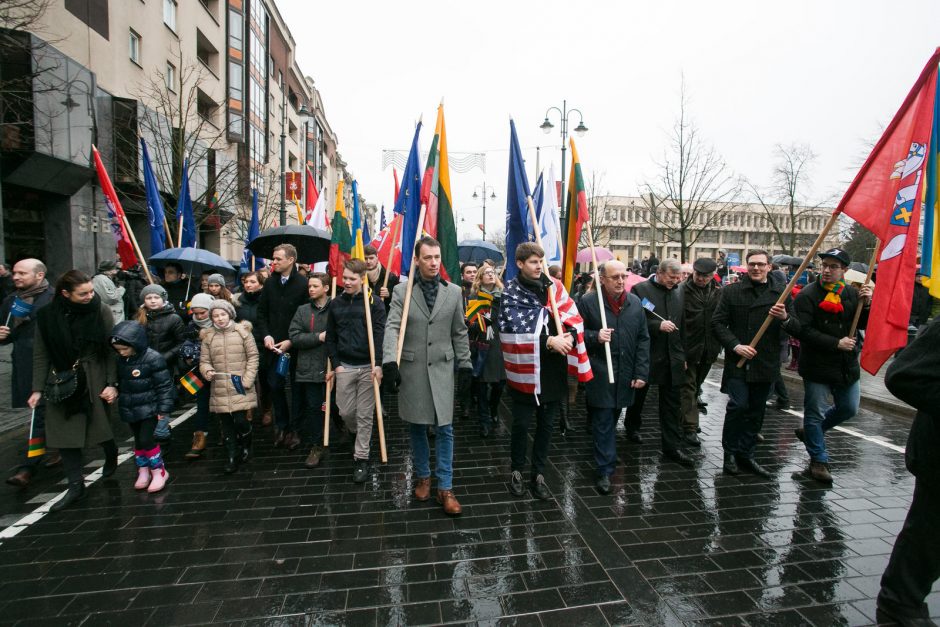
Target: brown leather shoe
{"x":198,"y":446}
{"x":291,"y":441}
{"x":316,"y":455}
{"x":20,"y":479}
{"x":449,"y":501}
{"x":266,"y":419}
{"x":279,"y":438}
{"x":423,"y":489}
{"x":52,"y":459}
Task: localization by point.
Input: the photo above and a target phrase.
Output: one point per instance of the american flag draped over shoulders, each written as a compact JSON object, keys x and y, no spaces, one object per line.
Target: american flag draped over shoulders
{"x":522,"y":319}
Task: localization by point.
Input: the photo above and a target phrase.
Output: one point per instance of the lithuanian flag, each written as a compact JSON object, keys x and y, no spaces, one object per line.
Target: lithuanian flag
{"x":192,"y":382}
{"x":37,"y":443}
{"x":577,"y":215}
{"x":357,"y":250}
{"x":341,"y":240}
{"x":440,"y":222}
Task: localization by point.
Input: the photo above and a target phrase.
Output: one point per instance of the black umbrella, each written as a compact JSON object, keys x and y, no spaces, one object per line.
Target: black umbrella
{"x":787,"y":260}
{"x":312,"y":244}
{"x":858,"y":265}
{"x":478,"y":251}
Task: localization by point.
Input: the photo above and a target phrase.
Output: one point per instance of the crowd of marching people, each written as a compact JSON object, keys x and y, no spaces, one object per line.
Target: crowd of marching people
{"x":282,"y":351}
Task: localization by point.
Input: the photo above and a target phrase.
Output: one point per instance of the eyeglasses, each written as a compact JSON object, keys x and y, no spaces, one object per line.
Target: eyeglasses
{"x":756,"y":265}
{"x":832,"y":266}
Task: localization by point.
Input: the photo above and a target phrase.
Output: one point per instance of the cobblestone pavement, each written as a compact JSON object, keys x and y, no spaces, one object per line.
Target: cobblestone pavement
{"x":280,"y":544}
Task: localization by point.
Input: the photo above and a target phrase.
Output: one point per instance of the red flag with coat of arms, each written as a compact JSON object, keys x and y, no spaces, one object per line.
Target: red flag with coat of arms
{"x":115,"y":215}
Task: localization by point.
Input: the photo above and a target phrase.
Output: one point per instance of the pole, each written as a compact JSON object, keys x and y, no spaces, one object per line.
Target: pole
{"x":871,"y":269}
{"x":551,"y":292}
{"x":564,"y":146}
{"x":283,"y":216}
{"x":329,"y":384}
{"x":375,"y":384}
{"x":167,"y":232}
{"x":484,"y":210}
{"x":789,"y":288}
{"x":140,"y":255}
{"x":391,"y":253}
{"x":406,"y":307}
{"x":600,"y":303}
{"x":179,"y":236}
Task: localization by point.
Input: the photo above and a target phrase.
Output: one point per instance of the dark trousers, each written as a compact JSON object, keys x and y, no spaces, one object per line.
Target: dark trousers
{"x":283,"y":419}
{"x":72,"y":459}
{"x":604,"y":427}
{"x":235,"y":424}
{"x":311,"y":412}
{"x":143,"y":434}
{"x":488,"y":395}
{"x":201,"y":419}
{"x":780,"y":389}
{"x":669,"y":413}
{"x":695,"y":375}
{"x":544,"y":423}
{"x":915,"y":561}
{"x":31,"y":464}
{"x":744,"y":416}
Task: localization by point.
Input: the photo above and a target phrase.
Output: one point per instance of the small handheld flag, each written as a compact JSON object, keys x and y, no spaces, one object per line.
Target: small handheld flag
{"x":649,"y":306}
{"x":192,"y":382}
{"x":237,"y":382}
{"x":37,"y":444}
{"x":19,"y":309}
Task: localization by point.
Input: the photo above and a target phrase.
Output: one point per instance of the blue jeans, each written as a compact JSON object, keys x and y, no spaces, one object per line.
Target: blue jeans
{"x":604,"y":425}
{"x":744,"y":416}
{"x":421,"y":451}
{"x":819,"y":416}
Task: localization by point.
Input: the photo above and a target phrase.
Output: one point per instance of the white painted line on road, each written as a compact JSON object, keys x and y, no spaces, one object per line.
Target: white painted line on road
{"x":37,"y":514}
{"x":874,"y":439}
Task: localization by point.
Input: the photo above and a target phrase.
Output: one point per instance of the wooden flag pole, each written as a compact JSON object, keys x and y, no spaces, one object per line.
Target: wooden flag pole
{"x":391,"y":254}
{"x":600,"y":303}
{"x":406,"y":307}
{"x":871,"y":270}
{"x":179,"y":237}
{"x":551,"y":292}
{"x":380,"y":423}
{"x":796,"y":276}
{"x":140,"y":255}
{"x":329,"y":384}
{"x":167,"y":233}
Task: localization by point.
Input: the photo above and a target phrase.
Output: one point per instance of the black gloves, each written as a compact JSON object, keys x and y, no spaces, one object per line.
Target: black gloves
{"x":391,"y":377}
{"x":464,"y":379}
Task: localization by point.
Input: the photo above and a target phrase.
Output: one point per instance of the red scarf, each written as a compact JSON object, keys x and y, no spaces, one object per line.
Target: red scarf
{"x":615,"y":304}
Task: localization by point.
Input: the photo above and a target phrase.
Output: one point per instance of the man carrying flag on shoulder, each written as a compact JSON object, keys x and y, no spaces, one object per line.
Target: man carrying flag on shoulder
{"x":18,"y":313}
{"x":376,"y":272}
{"x":537,"y":361}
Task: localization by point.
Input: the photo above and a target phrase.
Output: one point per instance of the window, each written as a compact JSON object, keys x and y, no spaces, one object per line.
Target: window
{"x":235,"y":30}
{"x":133,"y":47}
{"x":235,"y":80}
{"x":170,"y":76}
{"x":169,"y":14}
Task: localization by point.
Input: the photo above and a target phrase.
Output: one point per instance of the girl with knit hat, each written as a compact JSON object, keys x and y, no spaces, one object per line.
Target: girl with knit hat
{"x":216,"y":288}
{"x":229,"y":359}
{"x":189,"y":355}
{"x":165,"y":328}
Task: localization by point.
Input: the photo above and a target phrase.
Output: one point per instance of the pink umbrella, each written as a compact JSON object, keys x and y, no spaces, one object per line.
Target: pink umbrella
{"x":603,"y":254}
{"x":739,"y":269}
{"x":632,"y":279}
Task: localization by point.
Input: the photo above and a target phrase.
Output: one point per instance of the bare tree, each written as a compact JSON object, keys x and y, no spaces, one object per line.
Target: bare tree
{"x":694,"y":188}
{"x":269,"y":208}
{"x":786,"y":209}
{"x":602,"y":220}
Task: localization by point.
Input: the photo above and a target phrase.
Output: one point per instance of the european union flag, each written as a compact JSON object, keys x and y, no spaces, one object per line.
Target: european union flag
{"x":184,"y":211}
{"x":409,"y":204}
{"x":237,"y":382}
{"x":20,"y":308}
{"x":518,"y":228}
{"x":155,"y":213}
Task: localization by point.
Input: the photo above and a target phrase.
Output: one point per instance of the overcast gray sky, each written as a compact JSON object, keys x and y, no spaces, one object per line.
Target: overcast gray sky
{"x":829,"y":74}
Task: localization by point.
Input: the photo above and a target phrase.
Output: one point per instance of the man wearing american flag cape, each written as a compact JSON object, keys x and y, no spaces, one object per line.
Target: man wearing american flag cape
{"x":537,"y":360}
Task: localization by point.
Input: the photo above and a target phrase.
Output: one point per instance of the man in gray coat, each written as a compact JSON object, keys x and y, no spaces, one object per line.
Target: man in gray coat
{"x":435,"y":336}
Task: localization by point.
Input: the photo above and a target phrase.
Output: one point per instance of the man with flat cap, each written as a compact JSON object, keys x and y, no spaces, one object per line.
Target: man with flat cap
{"x":701,"y":346}
{"x":822,"y":319}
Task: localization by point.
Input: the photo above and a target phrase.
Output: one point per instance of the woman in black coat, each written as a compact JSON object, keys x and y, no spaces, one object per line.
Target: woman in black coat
{"x":246,"y":310}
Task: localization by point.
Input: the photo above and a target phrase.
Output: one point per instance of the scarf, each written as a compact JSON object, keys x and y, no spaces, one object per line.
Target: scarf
{"x":374,"y":275}
{"x":72,"y":330}
{"x":429,"y":289}
{"x":29,"y":295}
{"x":832,"y":303}
{"x":479,"y":310}
{"x":616,"y":304}
{"x":203,"y":324}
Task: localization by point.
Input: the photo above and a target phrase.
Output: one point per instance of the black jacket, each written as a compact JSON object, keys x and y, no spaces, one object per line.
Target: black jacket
{"x":346,"y":338}
{"x":667,"y":355}
{"x":165,"y":332}
{"x":21,"y":336}
{"x":914,"y":377}
{"x":305,"y":329}
{"x":179,"y":293}
{"x":741,"y":311}
{"x":629,"y":351}
{"x":246,"y":309}
{"x":278,"y":304}
{"x":921,"y":305}
{"x":700,"y":303}
{"x":819,"y":333}
{"x":393,"y":280}
{"x":146,"y":387}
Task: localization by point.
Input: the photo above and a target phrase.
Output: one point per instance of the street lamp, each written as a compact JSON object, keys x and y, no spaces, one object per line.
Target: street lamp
{"x":305,"y":116}
{"x":482,"y":193}
{"x":579,"y":130}
{"x":283,"y":215}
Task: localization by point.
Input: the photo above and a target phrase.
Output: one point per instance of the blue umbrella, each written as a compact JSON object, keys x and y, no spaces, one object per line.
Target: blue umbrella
{"x":478,"y":251}
{"x":193,"y":260}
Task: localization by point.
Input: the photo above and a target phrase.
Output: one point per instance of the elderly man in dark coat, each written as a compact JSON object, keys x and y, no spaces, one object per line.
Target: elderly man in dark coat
{"x":700,"y":298}
{"x":667,"y":357}
{"x":629,"y":341}
{"x":914,"y":377}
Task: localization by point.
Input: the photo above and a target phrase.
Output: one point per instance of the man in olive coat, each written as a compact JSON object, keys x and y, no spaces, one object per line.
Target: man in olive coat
{"x":629,"y":342}
{"x":700,"y":299}
{"x":435,"y":336}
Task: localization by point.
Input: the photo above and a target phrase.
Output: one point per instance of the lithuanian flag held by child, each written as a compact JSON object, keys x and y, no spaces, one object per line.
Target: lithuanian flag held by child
{"x":192,"y":382}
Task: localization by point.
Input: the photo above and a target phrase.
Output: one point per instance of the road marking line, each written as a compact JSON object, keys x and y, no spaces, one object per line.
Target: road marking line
{"x":874,"y":439}
{"x":38,"y":513}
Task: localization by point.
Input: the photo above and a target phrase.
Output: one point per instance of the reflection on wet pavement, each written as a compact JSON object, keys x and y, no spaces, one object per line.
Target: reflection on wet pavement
{"x":277,"y":543}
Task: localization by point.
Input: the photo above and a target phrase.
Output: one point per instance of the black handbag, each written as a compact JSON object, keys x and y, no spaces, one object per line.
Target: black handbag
{"x":61,"y":386}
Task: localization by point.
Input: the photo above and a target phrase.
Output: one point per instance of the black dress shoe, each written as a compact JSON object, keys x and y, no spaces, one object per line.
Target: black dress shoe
{"x":730,"y":466}
{"x":516,"y":487}
{"x":679,"y":457}
{"x":634,"y":436}
{"x":748,"y":464}
{"x":539,"y":489}
{"x":110,"y":466}
{"x":75,"y":494}
{"x":800,"y":434}
{"x":603,"y":484}
{"x":692,"y":440}
{"x":485,"y":430}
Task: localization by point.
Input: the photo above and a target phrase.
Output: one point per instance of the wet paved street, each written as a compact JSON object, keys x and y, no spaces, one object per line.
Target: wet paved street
{"x":670,"y":545}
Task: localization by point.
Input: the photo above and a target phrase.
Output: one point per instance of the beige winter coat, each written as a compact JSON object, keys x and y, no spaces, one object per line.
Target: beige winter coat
{"x":230,"y":351}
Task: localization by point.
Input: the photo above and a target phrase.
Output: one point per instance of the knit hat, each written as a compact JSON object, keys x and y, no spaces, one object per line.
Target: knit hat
{"x":201,"y":301}
{"x":224,"y":305}
{"x":153,"y":288}
{"x":216,"y":279}
{"x":107,"y":265}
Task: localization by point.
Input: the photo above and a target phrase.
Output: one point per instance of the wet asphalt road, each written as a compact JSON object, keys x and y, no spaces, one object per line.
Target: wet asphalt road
{"x":280,"y":544}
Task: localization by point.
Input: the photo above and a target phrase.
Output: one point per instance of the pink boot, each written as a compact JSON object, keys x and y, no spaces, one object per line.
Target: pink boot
{"x":143,"y":478}
{"x":160,"y":476}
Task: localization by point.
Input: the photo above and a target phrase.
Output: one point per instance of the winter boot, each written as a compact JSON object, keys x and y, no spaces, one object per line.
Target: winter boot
{"x":158,"y":473}
{"x":143,"y":470}
{"x":75,"y":494}
{"x":231,"y":450}
{"x":244,"y":446}
{"x":198,"y":446}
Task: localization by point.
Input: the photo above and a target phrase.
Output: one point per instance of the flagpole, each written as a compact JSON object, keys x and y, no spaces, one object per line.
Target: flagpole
{"x":406,"y":307}
{"x":168,"y":234}
{"x":140,"y":255}
{"x":871,"y":269}
{"x":786,"y":292}
{"x":329,"y":384}
{"x":538,"y":240}
{"x":391,"y":254}
{"x":179,"y":239}
{"x":600,"y":302}
{"x":380,"y":423}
